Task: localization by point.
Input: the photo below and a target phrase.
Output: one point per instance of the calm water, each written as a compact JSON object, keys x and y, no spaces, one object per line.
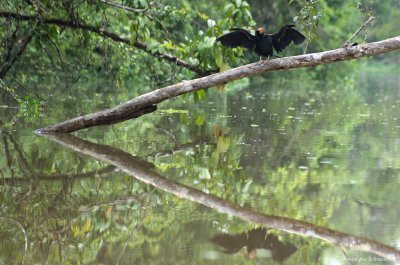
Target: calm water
{"x":326,"y":153}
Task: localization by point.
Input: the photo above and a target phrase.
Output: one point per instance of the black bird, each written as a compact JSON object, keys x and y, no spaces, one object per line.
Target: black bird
{"x":262,"y":43}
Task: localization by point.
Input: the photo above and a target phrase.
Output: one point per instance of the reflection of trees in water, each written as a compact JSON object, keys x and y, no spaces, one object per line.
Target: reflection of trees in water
{"x":59,"y":200}
{"x":62,"y":215}
{"x":43,"y":205}
{"x":144,"y":172}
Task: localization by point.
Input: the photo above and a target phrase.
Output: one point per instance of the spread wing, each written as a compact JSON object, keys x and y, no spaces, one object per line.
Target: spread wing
{"x":285,"y":36}
{"x":238,"y":38}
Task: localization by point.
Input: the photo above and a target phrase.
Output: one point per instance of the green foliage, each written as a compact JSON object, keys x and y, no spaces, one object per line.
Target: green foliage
{"x":319,"y":145}
{"x":309,"y":17}
{"x":184,"y":29}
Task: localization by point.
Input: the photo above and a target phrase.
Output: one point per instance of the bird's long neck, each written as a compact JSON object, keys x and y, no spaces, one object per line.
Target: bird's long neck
{"x":259,"y":35}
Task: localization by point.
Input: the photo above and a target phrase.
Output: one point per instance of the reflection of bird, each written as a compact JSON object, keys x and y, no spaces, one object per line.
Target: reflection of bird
{"x":262,"y":43}
{"x":253,"y":240}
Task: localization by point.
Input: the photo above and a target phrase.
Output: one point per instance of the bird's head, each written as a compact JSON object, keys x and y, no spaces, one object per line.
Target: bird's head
{"x":260,"y":31}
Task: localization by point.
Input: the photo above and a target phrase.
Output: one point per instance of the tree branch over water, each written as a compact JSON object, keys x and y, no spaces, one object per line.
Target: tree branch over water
{"x":147,"y":103}
{"x":108,"y":34}
{"x":144,"y":171}
{"x":15,"y":51}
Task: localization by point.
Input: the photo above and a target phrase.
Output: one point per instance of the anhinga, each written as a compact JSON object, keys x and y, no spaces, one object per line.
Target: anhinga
{"x":262,"y":43}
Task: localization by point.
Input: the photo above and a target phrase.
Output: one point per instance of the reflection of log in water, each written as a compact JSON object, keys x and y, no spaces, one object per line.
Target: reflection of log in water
{"x":143,"y":171}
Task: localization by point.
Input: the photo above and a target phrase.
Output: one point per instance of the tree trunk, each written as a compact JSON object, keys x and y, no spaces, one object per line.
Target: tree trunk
{"x":146,"y":103}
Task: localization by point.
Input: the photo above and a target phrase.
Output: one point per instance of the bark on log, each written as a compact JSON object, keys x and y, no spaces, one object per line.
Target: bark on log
{"x":112,"y":35}
{"x":130,"y":108}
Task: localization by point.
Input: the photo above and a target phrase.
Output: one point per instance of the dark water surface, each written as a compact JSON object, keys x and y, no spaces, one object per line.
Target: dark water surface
{"x":326,"y":153}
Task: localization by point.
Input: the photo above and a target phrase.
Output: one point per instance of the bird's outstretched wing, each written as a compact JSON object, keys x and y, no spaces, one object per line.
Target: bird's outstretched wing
{"x":238,"y":38}
{"x":285,"y":36}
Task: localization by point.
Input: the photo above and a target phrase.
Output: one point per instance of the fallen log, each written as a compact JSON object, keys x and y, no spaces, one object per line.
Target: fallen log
{"x":146,"y":103}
